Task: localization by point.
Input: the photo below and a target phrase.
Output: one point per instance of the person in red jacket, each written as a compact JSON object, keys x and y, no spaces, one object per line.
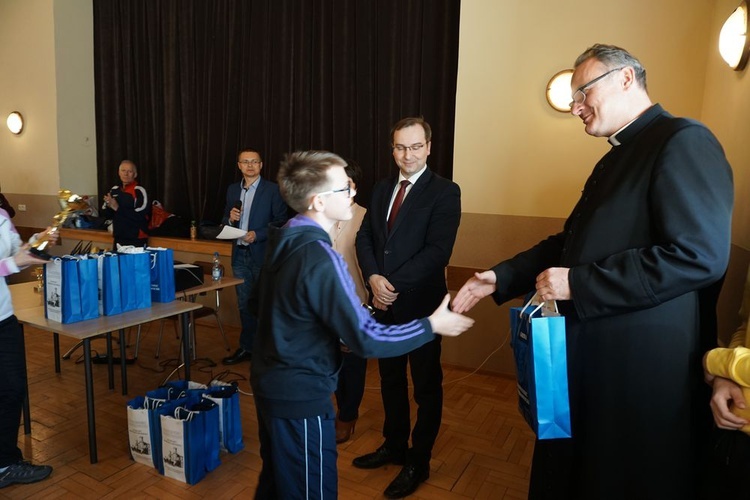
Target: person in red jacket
{"x":128,"y":206}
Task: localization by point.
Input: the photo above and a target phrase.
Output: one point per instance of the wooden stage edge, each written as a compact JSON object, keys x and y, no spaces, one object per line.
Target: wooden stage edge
{"x":224,"y":247}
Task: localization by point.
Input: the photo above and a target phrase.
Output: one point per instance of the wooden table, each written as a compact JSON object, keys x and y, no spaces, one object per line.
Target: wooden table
{"x":207,"y":286}
{"x":224,"y":247}
{"x":29,"y":311}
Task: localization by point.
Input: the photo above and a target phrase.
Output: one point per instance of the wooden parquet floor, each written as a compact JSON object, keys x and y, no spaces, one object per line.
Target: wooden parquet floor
{"x":483,"y":450}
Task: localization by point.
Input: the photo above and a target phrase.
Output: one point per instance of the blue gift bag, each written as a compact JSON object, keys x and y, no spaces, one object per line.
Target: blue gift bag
{"x":190,"y":446}
{"x":142,"y":268}
{"x":88,"y":280}
{"x":230,"y":423}
{"x":211,"y":432}
{"x":142,"y":435}
{"x":162,"y":274}
{"x":62,"y":290}
{"x":135,"y":280}
{"x":539,"y":349}
{"x":110,"y":301}
{"x":127,"y":281}
{"x":144,"y":428}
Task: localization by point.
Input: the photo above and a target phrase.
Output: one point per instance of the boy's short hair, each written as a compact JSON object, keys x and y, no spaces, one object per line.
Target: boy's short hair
{"x":304,"y":173}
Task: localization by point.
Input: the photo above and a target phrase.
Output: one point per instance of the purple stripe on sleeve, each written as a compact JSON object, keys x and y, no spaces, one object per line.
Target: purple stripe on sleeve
{"x":373,"y":329}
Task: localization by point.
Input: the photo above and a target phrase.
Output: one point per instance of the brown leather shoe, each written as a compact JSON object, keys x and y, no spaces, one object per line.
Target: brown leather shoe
{"x":344,"y":430}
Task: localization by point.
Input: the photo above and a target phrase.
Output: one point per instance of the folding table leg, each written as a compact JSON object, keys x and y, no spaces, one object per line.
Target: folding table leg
{"x":186,"y":343}
{"x":123,"y":363}
{"x":88,"y":376}
{"x":110,"y":363}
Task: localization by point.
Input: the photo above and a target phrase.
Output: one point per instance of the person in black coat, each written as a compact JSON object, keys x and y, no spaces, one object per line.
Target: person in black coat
{"x":403,"y":248}
{"x":636,"y":272}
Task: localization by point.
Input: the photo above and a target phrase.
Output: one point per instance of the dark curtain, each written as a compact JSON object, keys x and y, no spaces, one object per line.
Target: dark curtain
{"x":183,"y":85}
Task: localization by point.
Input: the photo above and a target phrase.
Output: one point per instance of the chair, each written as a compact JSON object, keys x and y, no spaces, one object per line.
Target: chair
{"x":202,"y":312}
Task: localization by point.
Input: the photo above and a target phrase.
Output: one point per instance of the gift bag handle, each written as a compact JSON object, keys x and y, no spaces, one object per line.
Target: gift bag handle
{"x":540,"y":305}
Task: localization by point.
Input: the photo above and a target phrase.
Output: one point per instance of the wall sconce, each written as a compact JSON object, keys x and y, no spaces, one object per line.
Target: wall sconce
{"x":733,"y":40}
{"x":558,"y":91}
{"x":15,"y":122}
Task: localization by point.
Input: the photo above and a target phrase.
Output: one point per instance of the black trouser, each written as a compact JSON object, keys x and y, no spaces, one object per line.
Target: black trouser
{"x":728,"y":467}
{"x":427,"y":376}
{"x":12,"y":389}
{"x":351,"y":386}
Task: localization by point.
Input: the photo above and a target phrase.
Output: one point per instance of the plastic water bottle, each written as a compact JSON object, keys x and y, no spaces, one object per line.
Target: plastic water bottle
{"x":216,"y":269}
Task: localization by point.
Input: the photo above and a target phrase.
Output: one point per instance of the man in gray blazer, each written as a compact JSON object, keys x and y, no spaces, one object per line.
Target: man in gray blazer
{"x":252,"y":204}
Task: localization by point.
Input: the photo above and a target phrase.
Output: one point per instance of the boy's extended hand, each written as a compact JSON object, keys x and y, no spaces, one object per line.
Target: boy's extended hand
{"x":446,"y":322}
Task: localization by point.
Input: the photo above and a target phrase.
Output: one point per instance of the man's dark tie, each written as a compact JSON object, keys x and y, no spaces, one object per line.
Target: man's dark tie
{"x":397,"y":203}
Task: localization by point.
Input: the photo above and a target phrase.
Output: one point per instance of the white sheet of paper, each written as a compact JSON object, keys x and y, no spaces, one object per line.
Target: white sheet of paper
{"x":230,"y":233}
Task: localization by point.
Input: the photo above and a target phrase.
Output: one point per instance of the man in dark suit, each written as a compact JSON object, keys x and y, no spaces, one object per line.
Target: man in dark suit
{"x":252,"y":204}
{"x":636,"y":272}
{"x":403,"y":247}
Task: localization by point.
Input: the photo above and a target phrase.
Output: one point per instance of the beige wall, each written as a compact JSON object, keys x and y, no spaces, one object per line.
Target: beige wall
{"x":726,"y":110}
{"x":515,"y":155}
{"x":27,"y":84}
{"x":76,"y":119}
{"x":46,"y":56}
{"x":520,"y":164}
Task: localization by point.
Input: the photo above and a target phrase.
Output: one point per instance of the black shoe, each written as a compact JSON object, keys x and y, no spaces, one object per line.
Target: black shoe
{"x":239,"y":356}
{"x":24,"y":472}
{"x":407,"y":481}
{"x":378,"y":458}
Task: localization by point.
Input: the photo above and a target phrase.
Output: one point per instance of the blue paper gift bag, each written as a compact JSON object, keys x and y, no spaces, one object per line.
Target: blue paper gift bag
{"x":62,"y":290}
{"x":88,"y":279}
{"x":190,"y":444}
{"x":135,"y":280}
{"x":539,"y":349}
{"x":162,"y":274}
{"x":110,"y":301}
{"x":144,"y":426}
{"x":230,"y":424}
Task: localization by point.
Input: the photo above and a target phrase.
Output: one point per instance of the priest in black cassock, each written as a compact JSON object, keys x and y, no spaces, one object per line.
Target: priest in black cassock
{"x":636,"y":272}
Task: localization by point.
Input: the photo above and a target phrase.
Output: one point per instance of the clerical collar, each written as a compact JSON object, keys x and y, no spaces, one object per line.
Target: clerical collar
{"x":634,"y":126}
{"x":613,"y":138}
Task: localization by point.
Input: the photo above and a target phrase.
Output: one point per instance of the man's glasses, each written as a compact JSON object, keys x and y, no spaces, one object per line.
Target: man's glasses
{"x":400,"y":148}
{"x":579,"y":96}
{"x":350,"y":191}
{"x":250,"y":162}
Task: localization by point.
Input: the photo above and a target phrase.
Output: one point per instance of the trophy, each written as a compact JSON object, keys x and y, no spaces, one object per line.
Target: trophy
{"x":69,"y":203}
{"x":39,"y":275}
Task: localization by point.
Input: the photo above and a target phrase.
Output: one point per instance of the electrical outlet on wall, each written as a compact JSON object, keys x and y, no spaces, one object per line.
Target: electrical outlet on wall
{"x":21,"y":207}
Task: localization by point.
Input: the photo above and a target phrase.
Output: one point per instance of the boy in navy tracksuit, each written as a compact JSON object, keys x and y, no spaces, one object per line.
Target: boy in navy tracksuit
{"x":306,"y":304}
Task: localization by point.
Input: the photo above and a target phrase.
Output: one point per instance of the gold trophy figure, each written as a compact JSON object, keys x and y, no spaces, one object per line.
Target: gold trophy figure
{"x":39,"y":275}
{"x":69,"y":203}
